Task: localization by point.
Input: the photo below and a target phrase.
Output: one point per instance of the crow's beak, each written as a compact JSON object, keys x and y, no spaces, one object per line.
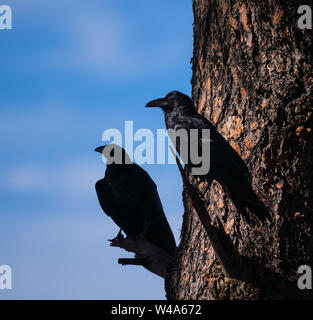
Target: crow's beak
{"x":162,"y":102}
{"x":99,"y":149}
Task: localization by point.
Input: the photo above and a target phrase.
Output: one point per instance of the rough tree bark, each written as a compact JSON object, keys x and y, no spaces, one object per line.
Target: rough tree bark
{"x":253,"y":79}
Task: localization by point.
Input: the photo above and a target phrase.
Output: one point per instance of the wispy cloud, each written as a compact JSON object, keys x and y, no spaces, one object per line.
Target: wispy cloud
{"x":72,"y":181}
{"x":70,"y":70}
{"x":99,"y":40}
{"x":62,"y":257}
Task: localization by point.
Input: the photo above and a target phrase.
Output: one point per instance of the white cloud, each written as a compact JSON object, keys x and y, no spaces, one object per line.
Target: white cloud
{"x":42,"y":119}
{"x":97,"y":39}
{"x":24,"y":179}
{"x":72,"y":180}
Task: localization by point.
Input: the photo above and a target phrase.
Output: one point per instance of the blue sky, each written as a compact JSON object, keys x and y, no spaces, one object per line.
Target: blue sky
{"x":70,"y":70}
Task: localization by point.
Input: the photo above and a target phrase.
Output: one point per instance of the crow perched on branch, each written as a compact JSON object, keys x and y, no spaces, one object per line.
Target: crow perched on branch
{"x":129,"y":196}
{"x":226,"y":166}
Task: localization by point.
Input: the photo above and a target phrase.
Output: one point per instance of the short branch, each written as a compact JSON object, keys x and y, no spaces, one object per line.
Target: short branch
{"x":147,"y":255}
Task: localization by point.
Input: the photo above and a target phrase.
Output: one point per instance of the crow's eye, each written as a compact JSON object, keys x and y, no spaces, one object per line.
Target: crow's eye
{"x":172,"y":94}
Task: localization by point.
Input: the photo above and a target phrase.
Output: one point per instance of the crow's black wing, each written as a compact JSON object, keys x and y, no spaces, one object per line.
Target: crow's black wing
{"x":111,"y":206}
{"x":230,"y":170}
{"x":135,"y":204}
{"x":105,"y":198}
{"x":145,"y":192}
{"x":223,"y":156}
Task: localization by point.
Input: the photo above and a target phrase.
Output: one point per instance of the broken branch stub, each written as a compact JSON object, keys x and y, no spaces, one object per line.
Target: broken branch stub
{"x":147,"y":255}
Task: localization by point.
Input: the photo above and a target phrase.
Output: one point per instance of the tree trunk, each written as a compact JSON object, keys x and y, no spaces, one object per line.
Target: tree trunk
{"x":253,"y":79}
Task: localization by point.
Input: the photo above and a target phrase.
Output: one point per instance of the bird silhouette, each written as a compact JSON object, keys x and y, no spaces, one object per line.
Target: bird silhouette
{"x":129,"y":196}
{"x":226,"y":166}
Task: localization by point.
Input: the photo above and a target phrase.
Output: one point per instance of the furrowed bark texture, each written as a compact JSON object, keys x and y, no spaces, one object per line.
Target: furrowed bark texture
{"x":252,"y":78}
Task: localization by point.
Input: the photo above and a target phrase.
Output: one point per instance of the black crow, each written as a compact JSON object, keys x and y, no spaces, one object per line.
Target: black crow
{"x":129,"y":196}
{"x":226,"y":166}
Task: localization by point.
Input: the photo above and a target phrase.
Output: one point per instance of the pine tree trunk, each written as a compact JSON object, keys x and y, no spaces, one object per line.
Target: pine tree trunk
{"x":253,"y":79}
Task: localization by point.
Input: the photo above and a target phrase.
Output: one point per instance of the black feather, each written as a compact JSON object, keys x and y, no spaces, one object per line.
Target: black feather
{"x":129,"y":196}
{"x":226,"y":166}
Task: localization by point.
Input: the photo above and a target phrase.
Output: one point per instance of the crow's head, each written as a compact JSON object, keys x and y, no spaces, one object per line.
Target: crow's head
{"x":114,"y":154}
{"x":172,"y":101}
